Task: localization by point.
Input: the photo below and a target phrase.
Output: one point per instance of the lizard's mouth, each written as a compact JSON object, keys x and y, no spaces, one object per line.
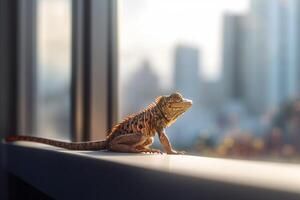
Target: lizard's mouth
{"x":180,"y":109}
{"x":184,"y":105}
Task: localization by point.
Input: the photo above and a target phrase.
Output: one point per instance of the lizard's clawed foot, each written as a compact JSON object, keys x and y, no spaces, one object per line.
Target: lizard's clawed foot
{"x":173,"y":152}
{"x":152,"y":151}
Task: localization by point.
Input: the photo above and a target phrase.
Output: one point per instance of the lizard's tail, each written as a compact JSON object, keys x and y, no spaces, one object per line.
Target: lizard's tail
{"x":93,"y":145}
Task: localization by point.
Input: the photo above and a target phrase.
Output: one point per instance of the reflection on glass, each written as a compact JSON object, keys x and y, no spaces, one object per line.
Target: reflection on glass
{"x":53,"y":67}
{"x":236,"y":59}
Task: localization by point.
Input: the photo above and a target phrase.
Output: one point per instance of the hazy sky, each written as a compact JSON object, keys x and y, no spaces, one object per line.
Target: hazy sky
{"x":152,"y":28}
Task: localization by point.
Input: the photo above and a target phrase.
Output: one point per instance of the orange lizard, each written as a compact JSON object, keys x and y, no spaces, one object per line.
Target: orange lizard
{"x":135,"y":133}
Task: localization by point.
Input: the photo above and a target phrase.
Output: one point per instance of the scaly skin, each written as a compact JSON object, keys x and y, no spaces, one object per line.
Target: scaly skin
{"x":135,"y":133}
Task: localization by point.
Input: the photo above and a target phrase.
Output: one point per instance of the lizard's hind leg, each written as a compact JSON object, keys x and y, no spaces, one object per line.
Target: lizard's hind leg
{"x":145,"y":147}
{"x":127,"y":143}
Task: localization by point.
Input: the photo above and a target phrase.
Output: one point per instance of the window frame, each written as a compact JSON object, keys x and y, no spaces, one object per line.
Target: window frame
{"x":27,"y":80}
{"x":8,"y":85}
{"x":94,"y":91}
{"x":94,"y":67}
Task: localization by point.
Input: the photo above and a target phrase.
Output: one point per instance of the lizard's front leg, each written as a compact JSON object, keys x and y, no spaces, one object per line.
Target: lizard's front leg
{"x":164,"y":140}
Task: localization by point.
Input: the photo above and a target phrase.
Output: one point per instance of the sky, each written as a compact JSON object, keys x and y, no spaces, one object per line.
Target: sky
{"x":150,"y":29}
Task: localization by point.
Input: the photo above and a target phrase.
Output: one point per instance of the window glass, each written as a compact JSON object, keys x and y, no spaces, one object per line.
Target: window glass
{"x":53,"y":68}
{"x":236,"y":59}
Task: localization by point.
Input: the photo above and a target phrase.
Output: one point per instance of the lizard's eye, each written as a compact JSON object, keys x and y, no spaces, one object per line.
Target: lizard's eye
{"x":177,"y":99}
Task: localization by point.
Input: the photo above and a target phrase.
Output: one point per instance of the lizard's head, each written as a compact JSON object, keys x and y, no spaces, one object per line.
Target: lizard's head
{"x":173,"y":106}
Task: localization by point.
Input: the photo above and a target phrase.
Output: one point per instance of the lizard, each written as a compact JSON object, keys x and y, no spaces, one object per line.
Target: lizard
{"x":135,"y":134}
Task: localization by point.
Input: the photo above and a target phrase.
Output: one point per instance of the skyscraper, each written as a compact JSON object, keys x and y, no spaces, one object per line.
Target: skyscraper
{"x":274,"y":50}
{"x":297,"y":44}
{"x":188,"y":81}
{"x":234,"y":56}
{"x":186,"y":74}
{"x":291,"y":36}
{"x":260,"y":54}
{"x":141,"y":89}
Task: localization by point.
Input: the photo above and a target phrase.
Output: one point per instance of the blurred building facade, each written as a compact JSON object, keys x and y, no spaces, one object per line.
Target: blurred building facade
{"x":260,"y":62}
{"x":141,"y":89}
{"x":234,"y":56}
{"x":186,"y":74}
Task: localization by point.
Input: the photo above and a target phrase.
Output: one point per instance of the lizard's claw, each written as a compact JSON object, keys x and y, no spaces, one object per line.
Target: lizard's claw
{"x":152,"y":151}
{"x":173,"y":152}
{"x":156,"y":151}
{"x":181,"y":152}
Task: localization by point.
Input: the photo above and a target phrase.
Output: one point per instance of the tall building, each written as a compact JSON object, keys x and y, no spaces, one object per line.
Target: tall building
{"x":297,"y":44}
{"x":142,"y":87}
{"x":261,"y":65}
{"x":241,"y":78}
{"x":186,"y":74}
{"x":234,"y":56}
{"x":188,"y":81}
{"x":291,"y":35}
{"x":274,"y":51}
{"x":289,"y":48}
{"x":261,"y":39}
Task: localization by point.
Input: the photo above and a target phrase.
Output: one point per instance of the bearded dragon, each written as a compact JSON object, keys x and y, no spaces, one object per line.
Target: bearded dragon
{"x":135,"y":134}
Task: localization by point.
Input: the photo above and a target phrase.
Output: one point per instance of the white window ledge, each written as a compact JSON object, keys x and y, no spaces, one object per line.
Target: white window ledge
{"x":55,"y":172}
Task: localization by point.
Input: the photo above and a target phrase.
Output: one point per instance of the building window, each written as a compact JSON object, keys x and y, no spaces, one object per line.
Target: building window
{"x":53,"y":68}
{"x":236,"y":59}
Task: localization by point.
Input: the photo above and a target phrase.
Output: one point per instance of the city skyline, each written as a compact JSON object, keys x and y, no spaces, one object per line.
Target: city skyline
{"x":255,"y":81}
{"x":157,"y":27}
{"x":260,"y":80}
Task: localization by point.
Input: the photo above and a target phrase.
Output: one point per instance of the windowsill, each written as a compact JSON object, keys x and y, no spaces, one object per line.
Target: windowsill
{"x":61,"y":173}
